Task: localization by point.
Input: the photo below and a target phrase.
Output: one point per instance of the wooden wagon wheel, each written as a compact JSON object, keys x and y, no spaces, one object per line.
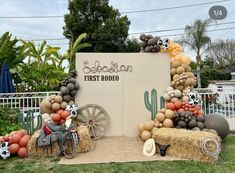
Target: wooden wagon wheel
{"x":95,"y":118}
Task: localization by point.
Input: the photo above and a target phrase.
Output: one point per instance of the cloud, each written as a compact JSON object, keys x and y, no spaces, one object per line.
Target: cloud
{"x":140,"y":22}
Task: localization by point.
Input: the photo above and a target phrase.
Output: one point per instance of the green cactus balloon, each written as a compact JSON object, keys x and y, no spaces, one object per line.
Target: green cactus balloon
{"x":27,"y":122}
{"x":162,"y":102}
{"x":151,"y":103}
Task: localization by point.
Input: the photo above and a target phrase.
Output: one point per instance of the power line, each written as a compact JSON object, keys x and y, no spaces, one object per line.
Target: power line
{"x":168,"y":35}
{"x":212,"y":30}
{"x":135,"y":33}
{"x":125,"y":12}
{"x":170,"y":8}
{"x":175,"y":29}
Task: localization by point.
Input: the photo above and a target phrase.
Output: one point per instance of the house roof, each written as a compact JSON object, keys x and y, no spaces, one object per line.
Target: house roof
{"x":229,"y":69}
{"x":222,"y":82}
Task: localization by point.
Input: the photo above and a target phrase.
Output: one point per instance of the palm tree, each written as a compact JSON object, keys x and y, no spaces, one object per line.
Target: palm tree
{"x":197,"y":40}
{"x":74,"y":47}
{"x":42,"y":54}
{"x":9,"y":51}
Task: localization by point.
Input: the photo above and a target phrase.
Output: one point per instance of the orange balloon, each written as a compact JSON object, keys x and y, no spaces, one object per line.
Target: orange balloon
{"x":186,"y":59}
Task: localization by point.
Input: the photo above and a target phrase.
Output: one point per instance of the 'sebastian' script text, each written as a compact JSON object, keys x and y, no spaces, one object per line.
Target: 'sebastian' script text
{"x":92,"y":72}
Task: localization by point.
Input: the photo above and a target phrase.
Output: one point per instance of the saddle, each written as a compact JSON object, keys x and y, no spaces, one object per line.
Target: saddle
{"x":50,"y":133}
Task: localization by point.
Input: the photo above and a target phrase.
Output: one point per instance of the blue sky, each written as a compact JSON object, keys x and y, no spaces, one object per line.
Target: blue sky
{"x":52,"y":28}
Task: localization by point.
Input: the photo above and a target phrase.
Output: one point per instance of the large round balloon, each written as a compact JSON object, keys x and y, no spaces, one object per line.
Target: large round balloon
{"x":218,"y":123}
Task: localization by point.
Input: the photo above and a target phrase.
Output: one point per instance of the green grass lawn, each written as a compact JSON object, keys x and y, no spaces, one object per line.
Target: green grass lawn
{"x":226,"y":164}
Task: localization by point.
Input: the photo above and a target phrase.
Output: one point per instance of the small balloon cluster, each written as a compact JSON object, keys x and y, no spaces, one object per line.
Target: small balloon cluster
{"x":14,"y":143}
{"x":56,"y":108}
{"x":69,"y":88}
{"x":153,"y":44}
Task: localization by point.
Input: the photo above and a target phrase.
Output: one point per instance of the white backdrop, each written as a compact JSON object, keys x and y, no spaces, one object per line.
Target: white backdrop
{"x":122,"y":96}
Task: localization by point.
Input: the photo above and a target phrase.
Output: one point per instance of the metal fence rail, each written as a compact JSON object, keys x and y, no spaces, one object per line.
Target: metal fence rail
{"x":220,"y":101}
{"x":24,"y":101}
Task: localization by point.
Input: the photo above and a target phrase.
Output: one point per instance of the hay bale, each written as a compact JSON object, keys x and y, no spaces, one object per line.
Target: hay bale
{"x":85,"y":140}
{"x":83,"y":146}
{"x":188,"y":144}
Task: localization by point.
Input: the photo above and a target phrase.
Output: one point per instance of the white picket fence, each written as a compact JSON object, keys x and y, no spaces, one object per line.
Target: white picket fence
{"x":24,"y":101}
{"x":219,"y":101}
{"x":212,"y":101}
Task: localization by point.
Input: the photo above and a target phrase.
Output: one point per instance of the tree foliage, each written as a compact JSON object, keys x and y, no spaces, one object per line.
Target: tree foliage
{"x":40,"y":77}
{"x":107,"y":30}
{"x":222,"y":52}
{"x":41,"y":70}
{"x":8,"y":120}
{"x":131,"y":45}
{"x":9,"y":51}
{"x":197,"y":40}
{"x":73,"y":48}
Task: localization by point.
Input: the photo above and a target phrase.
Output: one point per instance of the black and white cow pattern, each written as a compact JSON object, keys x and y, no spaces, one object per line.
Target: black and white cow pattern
{"x":164,"y":43}
{"x":72,"y":109}
{"x":193,"y":98}
{"x":4,"y":150}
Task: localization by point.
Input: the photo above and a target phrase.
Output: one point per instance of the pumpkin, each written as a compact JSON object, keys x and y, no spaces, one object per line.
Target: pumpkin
{"x":168,"y":123}
{"x":15,"y":139}
{"x":55,"y":117}
{"x":160,"y":117}
{"x":5,"y":138}
{"x":148,"y":125}
{"x":22,"y":152}
{"x":13,"y":148}
{"x":24,"y":141}
{"x":55,"y":107}
{"x":141,"y":127}
{"x":145,"y":135}
{"x":169,"y":114}
{"x":170,"y":105}
{"x":65,"y":114}
{"x":28,"y":137}
{"x":21,"y":133}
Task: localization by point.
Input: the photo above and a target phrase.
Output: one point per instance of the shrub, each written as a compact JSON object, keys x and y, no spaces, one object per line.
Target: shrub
{"x":8,"y":120}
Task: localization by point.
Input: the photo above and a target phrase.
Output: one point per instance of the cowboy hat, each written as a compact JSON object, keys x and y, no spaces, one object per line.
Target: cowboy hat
{"x":149,"y":147}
